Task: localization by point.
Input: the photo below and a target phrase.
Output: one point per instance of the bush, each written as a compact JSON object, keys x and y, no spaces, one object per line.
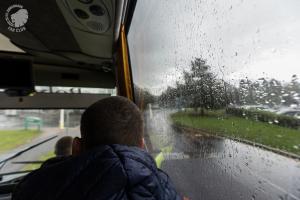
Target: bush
{"x":264,"y":116}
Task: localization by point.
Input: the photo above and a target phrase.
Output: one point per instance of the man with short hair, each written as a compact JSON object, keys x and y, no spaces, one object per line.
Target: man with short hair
{"x":114,"y":120}
{"x":108,"y":161}
{"x":63,"y":147}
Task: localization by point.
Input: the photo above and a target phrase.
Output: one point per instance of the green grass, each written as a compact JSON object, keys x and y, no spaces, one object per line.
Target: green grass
{"x":282,"y":138}
{"x":11,"y":139}
{"x":44,"y":157}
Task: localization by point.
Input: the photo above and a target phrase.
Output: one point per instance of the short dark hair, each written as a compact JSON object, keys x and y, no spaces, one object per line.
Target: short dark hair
{"x":63,"y":146}
{"x":112,"y":120}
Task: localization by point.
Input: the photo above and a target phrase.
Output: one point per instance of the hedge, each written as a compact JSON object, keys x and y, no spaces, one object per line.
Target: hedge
{"x":264,"y":116}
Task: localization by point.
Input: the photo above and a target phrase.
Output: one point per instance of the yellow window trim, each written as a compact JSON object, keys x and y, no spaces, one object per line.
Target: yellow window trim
{"x":125,"y":65}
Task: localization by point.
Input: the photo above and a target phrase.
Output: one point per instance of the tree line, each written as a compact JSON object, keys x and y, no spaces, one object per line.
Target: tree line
{"x":202,"y":89}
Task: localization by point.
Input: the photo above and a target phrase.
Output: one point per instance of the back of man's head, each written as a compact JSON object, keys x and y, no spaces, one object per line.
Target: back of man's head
{"x":63,"y":146}
{"x":113,"y":120}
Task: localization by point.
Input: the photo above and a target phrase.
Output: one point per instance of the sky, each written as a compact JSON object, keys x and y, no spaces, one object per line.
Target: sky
{"x":238,"y":38}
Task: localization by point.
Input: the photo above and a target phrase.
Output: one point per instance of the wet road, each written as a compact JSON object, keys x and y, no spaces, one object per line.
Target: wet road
{"x":213,"y":168}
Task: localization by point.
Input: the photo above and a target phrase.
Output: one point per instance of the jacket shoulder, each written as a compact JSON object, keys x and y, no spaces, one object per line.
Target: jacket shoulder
{"x":144,"y":178}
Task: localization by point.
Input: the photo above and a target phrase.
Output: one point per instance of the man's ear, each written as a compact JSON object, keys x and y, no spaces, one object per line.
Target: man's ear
{"x":142,"y":143}
{"x":77,"y":146}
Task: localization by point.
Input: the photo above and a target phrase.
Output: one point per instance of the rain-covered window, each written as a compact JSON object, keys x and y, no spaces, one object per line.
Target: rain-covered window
{"x":219,"y":85}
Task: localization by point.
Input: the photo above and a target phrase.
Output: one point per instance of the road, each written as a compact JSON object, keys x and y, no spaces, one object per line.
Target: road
{"x":214,"y":168}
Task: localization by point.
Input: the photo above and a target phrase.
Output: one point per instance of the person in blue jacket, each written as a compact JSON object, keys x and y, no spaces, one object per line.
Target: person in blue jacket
{"x":108,"y":162}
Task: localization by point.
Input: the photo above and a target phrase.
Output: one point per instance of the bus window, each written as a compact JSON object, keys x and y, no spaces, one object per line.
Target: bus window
{"x":219,"y":86}
{"x":33,"y":132}
{"x":30,"y":131}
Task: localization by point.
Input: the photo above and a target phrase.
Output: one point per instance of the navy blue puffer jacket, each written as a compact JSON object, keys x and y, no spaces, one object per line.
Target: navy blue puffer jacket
{"x":110,"y":172}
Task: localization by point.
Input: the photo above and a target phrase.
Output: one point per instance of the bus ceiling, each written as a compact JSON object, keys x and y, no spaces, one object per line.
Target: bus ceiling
{"x":77,"y":44}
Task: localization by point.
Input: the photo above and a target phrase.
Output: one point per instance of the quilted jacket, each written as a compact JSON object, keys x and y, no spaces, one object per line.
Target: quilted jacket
{"x":110,"y":172}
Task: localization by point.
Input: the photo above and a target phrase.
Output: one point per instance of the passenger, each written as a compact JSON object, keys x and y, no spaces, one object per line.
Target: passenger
{"x":108,"y":161}
{"x":62,"y":149}
{"x":63,"y":146}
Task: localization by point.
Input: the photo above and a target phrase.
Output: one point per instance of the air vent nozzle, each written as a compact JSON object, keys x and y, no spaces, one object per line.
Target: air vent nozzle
{"x":96,"y":26}
{"x":92,"y":15}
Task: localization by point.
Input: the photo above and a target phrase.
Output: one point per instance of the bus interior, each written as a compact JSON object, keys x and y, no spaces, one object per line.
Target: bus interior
{"x":217,"y":83}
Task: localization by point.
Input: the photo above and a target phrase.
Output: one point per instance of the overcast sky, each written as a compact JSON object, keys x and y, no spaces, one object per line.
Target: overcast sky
{"x":251,"y":38}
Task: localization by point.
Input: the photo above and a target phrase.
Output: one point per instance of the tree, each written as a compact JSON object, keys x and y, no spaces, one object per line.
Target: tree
{"x":143,"y":97}
{"x":291,"y":92}
{"x":202,"y":87}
